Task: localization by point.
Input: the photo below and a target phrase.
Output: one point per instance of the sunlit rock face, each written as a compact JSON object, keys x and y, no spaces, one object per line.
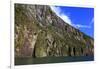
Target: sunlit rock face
{"x":39,"y":32}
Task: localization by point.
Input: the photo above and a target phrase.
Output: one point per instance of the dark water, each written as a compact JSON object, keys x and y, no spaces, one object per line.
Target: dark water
{"x":27,"y":61}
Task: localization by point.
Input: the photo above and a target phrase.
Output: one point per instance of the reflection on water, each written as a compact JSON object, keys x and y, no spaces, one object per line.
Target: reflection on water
{"x":26,"y":61}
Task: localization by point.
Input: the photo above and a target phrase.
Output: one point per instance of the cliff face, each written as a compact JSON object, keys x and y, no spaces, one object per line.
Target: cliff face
{"x":39,"y":32}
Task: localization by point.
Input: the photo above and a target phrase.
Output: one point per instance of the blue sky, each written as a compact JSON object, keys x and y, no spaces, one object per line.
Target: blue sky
{"x":78,"y":17}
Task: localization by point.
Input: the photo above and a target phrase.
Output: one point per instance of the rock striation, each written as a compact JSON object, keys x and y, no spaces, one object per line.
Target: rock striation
{"x":39,"y":32}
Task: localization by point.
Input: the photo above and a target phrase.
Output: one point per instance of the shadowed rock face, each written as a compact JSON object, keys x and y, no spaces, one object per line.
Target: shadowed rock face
{"x":39,"y":32}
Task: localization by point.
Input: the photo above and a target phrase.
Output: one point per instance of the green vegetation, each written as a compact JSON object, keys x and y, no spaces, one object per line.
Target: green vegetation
{"x":35,"y":35}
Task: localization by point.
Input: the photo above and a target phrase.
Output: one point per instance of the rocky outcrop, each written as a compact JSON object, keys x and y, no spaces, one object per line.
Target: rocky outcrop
{"x":39,"y":32}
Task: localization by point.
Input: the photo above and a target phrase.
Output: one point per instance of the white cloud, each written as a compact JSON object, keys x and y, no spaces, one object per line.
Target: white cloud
{"x":92,"y":21}
{"x":63,"y":16}
{"x":81,"y":26}
{"x":57,"y":10}
{"x":84,"y":26}
{"x":67,"y":18}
